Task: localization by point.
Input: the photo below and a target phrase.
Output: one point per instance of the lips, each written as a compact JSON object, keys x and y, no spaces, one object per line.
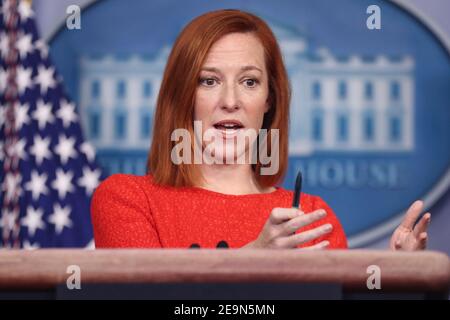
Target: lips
{"x":228,"y":127}
{"x":230,"y":124}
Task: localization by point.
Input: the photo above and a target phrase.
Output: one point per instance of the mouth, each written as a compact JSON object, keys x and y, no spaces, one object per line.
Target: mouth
{"x":228,"y":129}
{"x":228,"y":126}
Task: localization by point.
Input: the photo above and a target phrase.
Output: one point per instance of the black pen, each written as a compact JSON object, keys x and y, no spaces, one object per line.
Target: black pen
{"x":298,"y":190}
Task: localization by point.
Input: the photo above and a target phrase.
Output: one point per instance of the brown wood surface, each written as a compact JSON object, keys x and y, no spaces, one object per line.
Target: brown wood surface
{"x":417,"y":271}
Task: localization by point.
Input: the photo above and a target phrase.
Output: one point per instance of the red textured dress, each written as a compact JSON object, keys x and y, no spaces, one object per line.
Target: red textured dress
{"x":133,"y":212}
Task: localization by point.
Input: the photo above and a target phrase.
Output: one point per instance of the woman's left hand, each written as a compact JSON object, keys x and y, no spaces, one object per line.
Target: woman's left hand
{"x":410,"y":237}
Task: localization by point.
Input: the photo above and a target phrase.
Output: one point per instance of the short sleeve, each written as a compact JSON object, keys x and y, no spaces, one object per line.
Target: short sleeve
{"x":121,"y":215}
{"x":337,"y":237}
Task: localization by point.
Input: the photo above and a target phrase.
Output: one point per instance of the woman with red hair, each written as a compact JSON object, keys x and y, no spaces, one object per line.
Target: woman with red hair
{"x":224,"y":77}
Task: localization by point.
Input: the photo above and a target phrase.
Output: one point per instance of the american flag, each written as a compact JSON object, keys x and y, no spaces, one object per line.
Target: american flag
{"x":48,"y":171}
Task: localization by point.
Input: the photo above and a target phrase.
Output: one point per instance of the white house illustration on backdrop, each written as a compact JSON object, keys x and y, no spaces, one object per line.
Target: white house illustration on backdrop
{"x":339,"y":104}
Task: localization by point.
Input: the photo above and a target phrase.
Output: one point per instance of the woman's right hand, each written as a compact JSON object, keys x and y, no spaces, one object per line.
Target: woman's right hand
{"x":279,"y":230}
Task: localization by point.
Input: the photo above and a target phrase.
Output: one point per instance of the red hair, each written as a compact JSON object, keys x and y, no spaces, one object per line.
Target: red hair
{"x":175,"y":104}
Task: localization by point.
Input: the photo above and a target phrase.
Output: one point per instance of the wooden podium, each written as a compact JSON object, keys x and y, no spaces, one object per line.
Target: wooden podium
{"x":222,"y":274}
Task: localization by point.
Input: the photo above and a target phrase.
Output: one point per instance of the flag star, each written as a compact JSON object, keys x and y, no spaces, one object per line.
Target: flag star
{"x":90,"y":245}
{"x":18,"y":149}
{"x":67,"y":113}
{"x":45,"y":78}
{"x":3,"y":79}
{"x":37,"y":185}
{"x":65,"y":148}
{"x":12,"y":186}
{"x":33,"y":220}
{"x":22,"y":115}
{"x":8,"y":220}
{"x":2,"y":114}
{"x":42,"y":47}
{"x":25,"y":45}
{"x":10,"y":151}
{"x":60,"y":218}
{"x":23,"y":78}
{"x":27,"y":245}
{"x":4,"y":7}
{"x":4,"y":45}
{"x":40,"y":148}
{"x":90,"y":179}
{"x":25,"y":10}
{"x":88,"y":151}
{"x":63,"y":182}
{"x":43,"y":114}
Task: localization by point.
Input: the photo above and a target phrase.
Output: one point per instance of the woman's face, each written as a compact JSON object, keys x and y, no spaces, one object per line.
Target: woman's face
{"x":232,"y":93}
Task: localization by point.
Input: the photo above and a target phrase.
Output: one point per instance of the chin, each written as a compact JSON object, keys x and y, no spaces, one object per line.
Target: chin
{"x":230,"y":155}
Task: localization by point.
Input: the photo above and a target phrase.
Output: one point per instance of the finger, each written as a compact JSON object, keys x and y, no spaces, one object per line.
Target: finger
{"x":422,"y":225}
{"x":303,"y":237}
{"x":412,"y":214}
{"x":280,"y":215}
{"x":318,"y":246}
{"x":299,"y":210}
{"x":301,"y":221}
{"x":423,"y":237}
{"x":398,"y":245}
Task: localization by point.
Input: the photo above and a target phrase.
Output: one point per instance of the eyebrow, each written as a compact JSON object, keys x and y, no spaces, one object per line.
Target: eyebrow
{"x":244,"y":68}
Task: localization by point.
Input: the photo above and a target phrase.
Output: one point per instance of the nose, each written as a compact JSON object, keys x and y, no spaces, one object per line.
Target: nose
{"x":230,"y":100}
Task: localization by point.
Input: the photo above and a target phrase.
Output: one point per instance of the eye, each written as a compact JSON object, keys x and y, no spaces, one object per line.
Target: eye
{"x":208,"y":82}
{"x":251,"y":82}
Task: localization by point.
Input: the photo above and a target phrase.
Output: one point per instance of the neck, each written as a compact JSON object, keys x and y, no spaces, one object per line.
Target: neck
{"x":235,"y":179}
